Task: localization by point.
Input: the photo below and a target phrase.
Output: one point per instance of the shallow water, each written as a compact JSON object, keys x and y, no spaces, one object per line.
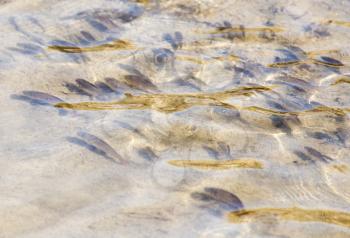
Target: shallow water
{"x":196,"y":118}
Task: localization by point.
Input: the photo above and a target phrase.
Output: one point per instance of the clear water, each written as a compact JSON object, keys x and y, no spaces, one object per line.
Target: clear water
{"x":206,"y":118}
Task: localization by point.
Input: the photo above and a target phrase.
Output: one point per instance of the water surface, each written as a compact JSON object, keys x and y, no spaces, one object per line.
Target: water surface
{"x":177,"y":118}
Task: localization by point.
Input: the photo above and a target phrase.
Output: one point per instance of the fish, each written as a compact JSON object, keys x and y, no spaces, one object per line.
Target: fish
{"x":27,"y":48}
{"x":104,"y":88}
{"x":178,"y":39}
{"x":96,"y":145}
{"x":320,"y":136}
{"x":87,"y":86}
{"x":90,"y":147}
{"x":75,"y":89}
{"x":226,"y":199}
{"x":280,"y":123}
{"x":303,"y":156}
{"x":175,"y":41}
{"x":98,"y":25}
{"x":88,"y":36}
{"x":136,"y":79}
{"x":317,"y":154}
{"x":147,"y":153}
{"x":139,"y":82}
{"x":38,"y":98}
{"x":328,"y":61}
{"x":132,"y":13}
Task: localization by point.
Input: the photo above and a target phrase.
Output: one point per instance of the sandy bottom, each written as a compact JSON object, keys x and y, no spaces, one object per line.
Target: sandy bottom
{"x":200,"y":118}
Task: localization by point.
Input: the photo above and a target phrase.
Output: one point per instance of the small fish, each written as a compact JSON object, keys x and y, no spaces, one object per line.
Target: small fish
{"x":115,"y":84}
{"x":132,"y":14}
{"x":320,"y":136}
{"x":224,"y":196}
{"x":243,"y":72}
{"x":92,"y":148}
{"x":318,"y":154}
{"x":303,"y":156}
{"x":38,"y":98}
{"x":275,"y":105}
{"x":201,"y":197}
{"x":98,"y":146}
{"x":168,"y":38}
{"x":147,"y":153}
{"x":75,"y":89}
{"x":105,"y":88}
{"x":328,"y":61}
{"x":130,"y":128}
{"x":227,"y":200}
{"x":280,"y":123}
{"x":45,"y":97}
{"x":98,"y":25}
{"x":27,"y":48}
{"x":179,"y":39}
{"x":296,"y":88}
{"x":88,"y":36}
{"x":176,"y":42}
{"x":139,"y":82}
{"x":137,"y":79}
{"x":62,"y":43}
{"x":88,"y":87}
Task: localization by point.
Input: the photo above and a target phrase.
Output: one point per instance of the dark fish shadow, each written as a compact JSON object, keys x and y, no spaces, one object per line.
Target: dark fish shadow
{"x":36,"y":98}
{"x":97,"y":25}
{"x":175,"y":41}
{"x":96,"y":145}
{"x":100,"y":90}
{"x":218,"y":200}
{"x":92,"y":148}
{"x":148,"y":154}
{"x":304,"y":157}
{"x":27,"y":49}
{"x":280,"y":123}
{"x":318,"y":155}
{"x":137,"y":80}
{"x":132,"y":14}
